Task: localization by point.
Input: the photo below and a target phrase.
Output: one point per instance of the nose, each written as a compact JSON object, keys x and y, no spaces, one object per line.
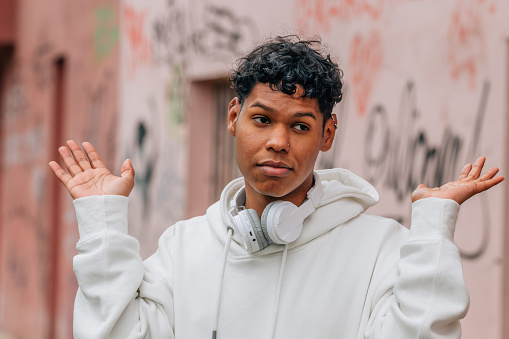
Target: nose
{"x":278,"y":140}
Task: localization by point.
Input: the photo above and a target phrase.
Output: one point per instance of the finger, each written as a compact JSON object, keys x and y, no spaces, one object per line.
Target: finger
{"x":127,"y":170}
{"x":489,"y":174}
{"x":465,"y":171}
{"x":484,"y":185}
{"x":62,"y":175}
{"x":92,"y":154}
{"x":78,"y":155}
{"x":69,"y":162}
{"x":476,"y":169}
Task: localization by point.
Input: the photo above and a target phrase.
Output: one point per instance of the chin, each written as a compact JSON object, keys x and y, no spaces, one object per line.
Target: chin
{"x":272,"y":189}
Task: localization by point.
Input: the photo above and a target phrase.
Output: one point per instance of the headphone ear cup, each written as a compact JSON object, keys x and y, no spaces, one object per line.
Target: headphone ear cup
{"x":276,"y":213}
{"x":255,"y":222}
{"x":264,"y":220}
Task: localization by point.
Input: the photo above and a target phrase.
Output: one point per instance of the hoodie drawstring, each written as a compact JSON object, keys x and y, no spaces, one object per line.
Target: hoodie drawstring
{"x":279,"y":283}
{"x":225,"y":258}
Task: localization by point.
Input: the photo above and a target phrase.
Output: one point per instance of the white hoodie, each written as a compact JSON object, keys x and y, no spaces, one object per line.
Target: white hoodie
{"x":348,"y":275}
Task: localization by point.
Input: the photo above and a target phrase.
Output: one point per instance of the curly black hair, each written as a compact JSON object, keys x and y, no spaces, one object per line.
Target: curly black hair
{"x":285,"y":62}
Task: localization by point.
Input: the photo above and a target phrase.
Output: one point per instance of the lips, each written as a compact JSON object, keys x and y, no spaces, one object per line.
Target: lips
{"x":274,"y":168}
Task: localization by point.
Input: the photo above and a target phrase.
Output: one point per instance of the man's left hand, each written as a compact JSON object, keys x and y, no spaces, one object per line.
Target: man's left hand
{"x":468,"y":184}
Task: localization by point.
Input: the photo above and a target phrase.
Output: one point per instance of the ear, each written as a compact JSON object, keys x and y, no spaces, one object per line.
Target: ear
{"x":329,"y":132}
{"x":233,"y":115}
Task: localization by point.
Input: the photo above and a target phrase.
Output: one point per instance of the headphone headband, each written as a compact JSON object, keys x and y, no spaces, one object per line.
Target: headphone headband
{"x":281,"y":221}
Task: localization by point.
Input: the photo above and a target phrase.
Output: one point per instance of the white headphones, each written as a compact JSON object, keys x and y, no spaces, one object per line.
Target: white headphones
{"x":281,"y":221}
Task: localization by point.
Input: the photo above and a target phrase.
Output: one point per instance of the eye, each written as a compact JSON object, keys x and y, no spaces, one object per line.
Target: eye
{"x":301,"y":127}
{"x":262,"y":120}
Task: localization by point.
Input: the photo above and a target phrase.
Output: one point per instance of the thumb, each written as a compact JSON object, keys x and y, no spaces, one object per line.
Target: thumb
{"x":416,"y":194}
{"x":127,"y":170}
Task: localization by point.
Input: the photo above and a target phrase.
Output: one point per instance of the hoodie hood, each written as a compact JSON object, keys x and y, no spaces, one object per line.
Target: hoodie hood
{"x":345,"y":196}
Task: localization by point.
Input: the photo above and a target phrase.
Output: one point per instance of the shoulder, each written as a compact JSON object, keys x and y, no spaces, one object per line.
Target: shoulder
{"x":376,"y":231}
{"x":189,"y":231}
{"x":380,"y":241}
{"x":377,"y":224}
{"x":187,"y":227}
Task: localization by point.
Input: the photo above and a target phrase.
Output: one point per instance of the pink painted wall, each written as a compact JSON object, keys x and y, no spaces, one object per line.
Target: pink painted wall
{"x":37,"y":225}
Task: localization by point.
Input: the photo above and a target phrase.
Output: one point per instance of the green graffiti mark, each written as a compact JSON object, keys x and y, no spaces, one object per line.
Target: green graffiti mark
{"x":105,"y":31}
{"x":175,"y":109}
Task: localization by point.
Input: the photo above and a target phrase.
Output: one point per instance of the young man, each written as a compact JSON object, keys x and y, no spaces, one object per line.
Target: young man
{"x":285,"y":253}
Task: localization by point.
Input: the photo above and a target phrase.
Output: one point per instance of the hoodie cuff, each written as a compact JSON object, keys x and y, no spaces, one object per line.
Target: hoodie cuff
{"x":100,"y":212}
{"x":434,"y":218}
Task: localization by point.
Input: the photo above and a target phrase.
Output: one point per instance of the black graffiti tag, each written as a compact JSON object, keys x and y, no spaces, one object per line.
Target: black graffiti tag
{"x":402,"y":157}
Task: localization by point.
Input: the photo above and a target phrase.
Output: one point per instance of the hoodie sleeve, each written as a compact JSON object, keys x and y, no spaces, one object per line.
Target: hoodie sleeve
{"x":426,"y":296}
{"x":119,"y":295}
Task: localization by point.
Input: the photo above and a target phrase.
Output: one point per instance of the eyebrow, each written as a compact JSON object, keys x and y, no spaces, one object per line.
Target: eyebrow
{"x":304,"y":114}
{"x":273,"y":111}
{"x":262,"y":106}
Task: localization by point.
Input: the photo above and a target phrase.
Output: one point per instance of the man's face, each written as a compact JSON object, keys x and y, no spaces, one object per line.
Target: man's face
{"x":278,"y":138}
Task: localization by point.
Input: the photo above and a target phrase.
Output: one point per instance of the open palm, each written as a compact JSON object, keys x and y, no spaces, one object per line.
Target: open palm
{"x":88,"y":175}
{"x":468,"y":184}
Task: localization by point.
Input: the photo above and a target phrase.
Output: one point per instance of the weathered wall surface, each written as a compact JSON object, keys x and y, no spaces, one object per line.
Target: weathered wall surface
{"x":152,"y":129}
{"x":78,"y":44}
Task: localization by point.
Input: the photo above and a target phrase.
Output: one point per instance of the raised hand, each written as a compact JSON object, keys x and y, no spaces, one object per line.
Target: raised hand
{"x":468,"y":184}
{"x":87,"y":174}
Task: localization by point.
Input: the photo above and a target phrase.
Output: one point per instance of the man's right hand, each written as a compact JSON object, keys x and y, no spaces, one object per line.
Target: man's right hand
{"x":87,"y":174}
